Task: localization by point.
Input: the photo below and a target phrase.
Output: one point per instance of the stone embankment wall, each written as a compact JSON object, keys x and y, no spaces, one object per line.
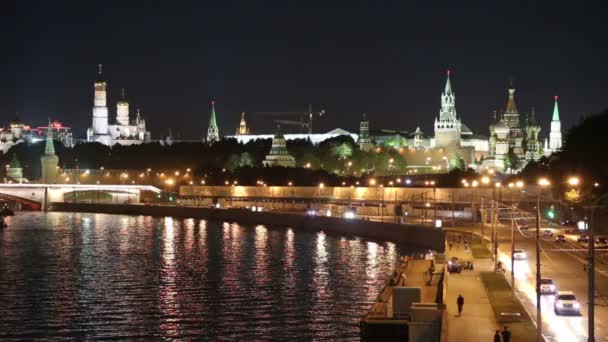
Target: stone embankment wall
{"x":416,"y":235}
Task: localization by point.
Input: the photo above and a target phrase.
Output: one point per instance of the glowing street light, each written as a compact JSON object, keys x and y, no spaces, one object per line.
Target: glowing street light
{"x":544,"y":182}
{"x":519,"y":184}
{"x":574,"y":181}
{"x":372,"y":182}
{"x":485,"y":180}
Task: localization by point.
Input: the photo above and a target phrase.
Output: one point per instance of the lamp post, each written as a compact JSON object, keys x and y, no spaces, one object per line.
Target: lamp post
{"x":542,"y":183}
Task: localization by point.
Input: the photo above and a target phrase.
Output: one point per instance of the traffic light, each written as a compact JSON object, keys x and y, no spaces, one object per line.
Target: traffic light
{"x":551,"y":213}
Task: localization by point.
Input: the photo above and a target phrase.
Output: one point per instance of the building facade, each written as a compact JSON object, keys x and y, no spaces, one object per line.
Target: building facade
{"x":365,"y":142}
{"x":49,"y":160}
{"x":447,"y":124}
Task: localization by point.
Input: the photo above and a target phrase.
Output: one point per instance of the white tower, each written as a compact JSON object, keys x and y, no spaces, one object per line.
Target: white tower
{"x":447,"y":126}
{"x":122,"y":110}
{"x":100,"y":112}
{"x":555,"y":135}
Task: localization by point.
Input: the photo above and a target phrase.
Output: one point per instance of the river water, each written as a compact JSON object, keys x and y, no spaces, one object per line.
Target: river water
{"x":92,"y":276}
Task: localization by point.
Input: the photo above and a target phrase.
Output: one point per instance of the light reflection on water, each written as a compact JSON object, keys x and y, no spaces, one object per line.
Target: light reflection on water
{"x":89,"y":276}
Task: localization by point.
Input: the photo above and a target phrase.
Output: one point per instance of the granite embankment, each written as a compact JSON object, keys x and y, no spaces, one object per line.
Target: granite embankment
{"x":416,"y":235}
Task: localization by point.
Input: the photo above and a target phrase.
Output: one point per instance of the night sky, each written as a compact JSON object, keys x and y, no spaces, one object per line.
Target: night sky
{"x":385,"y":58}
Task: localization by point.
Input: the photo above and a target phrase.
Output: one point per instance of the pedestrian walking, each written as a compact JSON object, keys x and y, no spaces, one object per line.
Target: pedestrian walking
{"x":506,"y":334}
{"x":460,"y":303}
{"x":497,"y":336}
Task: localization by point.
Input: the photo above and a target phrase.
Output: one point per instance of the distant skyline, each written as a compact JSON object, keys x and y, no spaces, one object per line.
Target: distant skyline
{"x":388,"y":60}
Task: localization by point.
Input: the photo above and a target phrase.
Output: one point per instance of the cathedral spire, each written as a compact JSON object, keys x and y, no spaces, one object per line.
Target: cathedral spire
{"x":49,"y":148}
{"x":99,"y":78}
{"x":555,"y":110}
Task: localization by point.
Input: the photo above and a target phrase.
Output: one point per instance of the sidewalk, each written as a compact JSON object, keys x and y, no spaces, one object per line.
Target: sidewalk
{"x":477,"y":322}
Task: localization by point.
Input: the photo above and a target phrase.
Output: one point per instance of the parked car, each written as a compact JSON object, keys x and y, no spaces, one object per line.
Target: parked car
{"x":566,"y":303}
{"x":522,"y":226}
{"x":583,"y":238}
{"x":548,"y":232}
{"x":602,"y":241}
{"x":560,"y":238}
{"x":547,"y":286}
{"x":519,"y":254}
{"x":454,"y":265}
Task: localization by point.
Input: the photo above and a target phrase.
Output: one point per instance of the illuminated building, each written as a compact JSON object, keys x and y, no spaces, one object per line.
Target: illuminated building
{"x":125,"y":131}
{"x":365,"y":142}
{"x":18,"y":132}
{"x":243,"y":129}
{"x":49,"y":160}
{"x":555,"y":135}
{"x":213,"y":132}
{"x":279,"y":155}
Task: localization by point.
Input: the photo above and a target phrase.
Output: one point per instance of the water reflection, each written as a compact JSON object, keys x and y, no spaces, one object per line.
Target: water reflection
{"x":95,"y":276}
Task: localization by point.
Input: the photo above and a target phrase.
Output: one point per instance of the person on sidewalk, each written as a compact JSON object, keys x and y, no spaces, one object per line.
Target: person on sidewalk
{"x":506,"y":335}
{"x":497,"y":337}
{"x":460,"y":303}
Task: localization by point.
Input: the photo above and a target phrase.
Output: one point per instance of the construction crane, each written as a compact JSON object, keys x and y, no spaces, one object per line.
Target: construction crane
{"x":306,"y":118}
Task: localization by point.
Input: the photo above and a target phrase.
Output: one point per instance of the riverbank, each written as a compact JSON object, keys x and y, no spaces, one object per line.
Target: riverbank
{"x":416,"y":235}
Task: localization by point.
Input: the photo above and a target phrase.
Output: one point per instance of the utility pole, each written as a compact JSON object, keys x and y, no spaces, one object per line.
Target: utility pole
{"x":512,"y":246}
{"x":591,"y":277}
{"x":539,"y":321}
{"x":483,"y":218}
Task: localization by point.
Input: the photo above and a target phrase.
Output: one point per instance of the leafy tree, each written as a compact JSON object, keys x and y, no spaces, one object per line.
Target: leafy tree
{"x":343,"y":151}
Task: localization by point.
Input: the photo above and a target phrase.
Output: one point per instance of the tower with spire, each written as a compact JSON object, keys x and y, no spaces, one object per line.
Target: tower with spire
{"x":532,"y":143}
{"x":243,"y":129}
{"x":49,"y":160}
{"x":213,"y":133}
{"x":99,"y":129}
{"x":555,"y":135}
{"x":364,"y":141}
{"x":447,"y":125}
{"x":511,"y":117}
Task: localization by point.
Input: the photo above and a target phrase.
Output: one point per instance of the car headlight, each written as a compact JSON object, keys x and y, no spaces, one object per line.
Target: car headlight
{"x":559,"y":305}
{"x":449,"y":263}
{"x":552,"y":287}
{"x":576,"y":306}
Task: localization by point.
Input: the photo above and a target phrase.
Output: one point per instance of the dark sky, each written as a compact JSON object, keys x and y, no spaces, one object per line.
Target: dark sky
{"x":386,"y":58}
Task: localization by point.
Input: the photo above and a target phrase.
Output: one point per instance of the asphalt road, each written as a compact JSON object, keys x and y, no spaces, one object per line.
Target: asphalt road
{"x":566,"y":268}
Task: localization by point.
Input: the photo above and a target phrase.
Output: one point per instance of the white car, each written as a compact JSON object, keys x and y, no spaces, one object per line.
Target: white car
{"x":566,"y":303}
{"x":519,"y":254}
{"x":547,"y":286}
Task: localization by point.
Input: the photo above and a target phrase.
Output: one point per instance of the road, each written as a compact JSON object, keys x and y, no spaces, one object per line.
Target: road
{"x":566,"y":268}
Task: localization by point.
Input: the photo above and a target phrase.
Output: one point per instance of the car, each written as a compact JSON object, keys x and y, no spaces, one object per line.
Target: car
{"x":548,"y":232}
{"x":602,"y":241}
{"x":454,"y":265}
{"x":311,"y":212}
{"x":566,"y":303}
{"x":560,"y":238}
{"x":583,"y":238}
{"x":519,"y":254}
{"x":547,"y":286}
{"x":523,"y":226}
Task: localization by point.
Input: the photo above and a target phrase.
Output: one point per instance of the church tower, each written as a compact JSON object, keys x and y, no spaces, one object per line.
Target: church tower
{"x":122,"y":110}
{"x":511,"y":118}
{"x":447,"y":125}
{"x":213,"y":133}
{"x":49,"y":160}
{"x":364,"y":141}
{"x":532,"y":143}
{"x":99,"y":131}
{"x":555,"y":135}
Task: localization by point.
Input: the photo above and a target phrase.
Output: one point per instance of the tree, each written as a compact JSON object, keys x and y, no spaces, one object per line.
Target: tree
{"x":457,"y":163}
{"x":343,"y":151}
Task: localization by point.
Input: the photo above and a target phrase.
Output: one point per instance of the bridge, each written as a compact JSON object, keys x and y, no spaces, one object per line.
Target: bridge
{"x":39,"y":196}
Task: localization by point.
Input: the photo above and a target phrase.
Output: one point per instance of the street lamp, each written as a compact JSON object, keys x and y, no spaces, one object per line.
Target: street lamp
{"x":542,"y":183}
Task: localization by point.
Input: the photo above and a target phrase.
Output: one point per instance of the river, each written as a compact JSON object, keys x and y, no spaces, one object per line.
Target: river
{"x":93,"y":276}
